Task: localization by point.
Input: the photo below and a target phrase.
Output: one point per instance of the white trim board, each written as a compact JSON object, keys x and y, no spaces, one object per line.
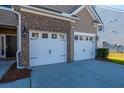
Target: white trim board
{"x":90,"y":9}
{"x":78,"y":10}
{"x":82,"y":33}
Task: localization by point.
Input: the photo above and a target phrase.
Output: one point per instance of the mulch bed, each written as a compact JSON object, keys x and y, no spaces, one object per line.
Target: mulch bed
{"x":14,"y":74}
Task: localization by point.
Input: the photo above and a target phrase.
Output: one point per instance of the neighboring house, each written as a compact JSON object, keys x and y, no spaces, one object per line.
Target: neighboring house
{"x":48,"y":34}
{"x":111,"y":35}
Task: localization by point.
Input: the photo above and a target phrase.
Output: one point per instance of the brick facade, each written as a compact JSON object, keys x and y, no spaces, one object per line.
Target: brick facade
{"x":44,"y":23}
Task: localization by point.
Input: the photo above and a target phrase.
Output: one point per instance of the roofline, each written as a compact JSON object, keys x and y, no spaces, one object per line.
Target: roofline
{"x":48,"y":13}
{"x":78,"y":10}
{"x":98,"y":17}
{"x":92,"y":14}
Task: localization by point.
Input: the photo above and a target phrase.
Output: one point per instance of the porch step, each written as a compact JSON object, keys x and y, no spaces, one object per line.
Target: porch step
{"x":4,"y":67}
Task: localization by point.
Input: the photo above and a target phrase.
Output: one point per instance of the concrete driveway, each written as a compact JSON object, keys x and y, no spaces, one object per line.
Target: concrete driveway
{"x":89,"y":73}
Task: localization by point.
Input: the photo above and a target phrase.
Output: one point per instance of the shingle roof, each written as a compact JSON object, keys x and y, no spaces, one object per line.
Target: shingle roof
{"x":58,"y":8}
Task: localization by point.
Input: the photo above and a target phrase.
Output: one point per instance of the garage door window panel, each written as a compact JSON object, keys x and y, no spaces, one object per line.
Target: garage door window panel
{"x":76,"y":37}
{"x":61,"y":37}
{"x":44,"y":35}
{"x":81,"y":38}
{"x":35,"y":35}
{"x":54,"y":36}
{"x":91,"y":38}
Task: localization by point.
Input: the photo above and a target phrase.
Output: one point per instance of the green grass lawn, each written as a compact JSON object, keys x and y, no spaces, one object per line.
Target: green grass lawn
{"x":116,"y":60}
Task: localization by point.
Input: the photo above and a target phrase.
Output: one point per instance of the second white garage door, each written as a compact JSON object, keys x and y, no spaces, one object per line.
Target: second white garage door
{"x":47,"y":48}
{"x":84,"y":46}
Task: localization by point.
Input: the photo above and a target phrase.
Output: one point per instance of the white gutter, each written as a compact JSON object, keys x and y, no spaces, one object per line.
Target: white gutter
{"x":18,"y":37}
{"x":49,"y":13}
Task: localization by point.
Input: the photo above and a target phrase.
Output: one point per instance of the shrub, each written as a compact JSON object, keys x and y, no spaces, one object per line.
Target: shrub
{"x":102,"y":53}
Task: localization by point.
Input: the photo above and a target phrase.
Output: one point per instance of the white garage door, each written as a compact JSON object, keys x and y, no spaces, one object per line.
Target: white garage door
{"x":47,"y":48}
{"x":84,"y":46}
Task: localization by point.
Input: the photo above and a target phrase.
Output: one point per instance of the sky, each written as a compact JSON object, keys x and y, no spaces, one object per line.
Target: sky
{"x":121,"y":7}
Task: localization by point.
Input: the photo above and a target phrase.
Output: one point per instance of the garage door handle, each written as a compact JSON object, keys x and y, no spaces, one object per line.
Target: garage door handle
{"x":33,"y":57}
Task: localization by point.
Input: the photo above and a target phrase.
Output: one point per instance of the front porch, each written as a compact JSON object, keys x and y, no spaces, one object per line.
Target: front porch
{"x":8,"y":43}
{"x":8,"y":48}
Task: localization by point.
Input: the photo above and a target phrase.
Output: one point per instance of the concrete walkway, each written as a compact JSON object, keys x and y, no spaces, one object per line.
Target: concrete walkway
{"x":4,"y":66}
{"x":89,"y":73}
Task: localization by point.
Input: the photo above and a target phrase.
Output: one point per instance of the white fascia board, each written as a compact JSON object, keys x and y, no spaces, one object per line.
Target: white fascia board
{"x":48,"y":13}
{"x":93,"y":14}
{"x":85,"y":34}
{"x":78,"y":10}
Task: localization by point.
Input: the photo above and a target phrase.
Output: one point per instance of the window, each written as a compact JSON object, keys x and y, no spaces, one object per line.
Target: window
{"x":76,"y":37}
{"x":44,"y":35}
{"x":91,"y":38}
{"x":35,"y":35}
{"x":81,"y":37}
{"x":86,"y":38}
{"x":54,"y":36}
{"x":61,"y":37}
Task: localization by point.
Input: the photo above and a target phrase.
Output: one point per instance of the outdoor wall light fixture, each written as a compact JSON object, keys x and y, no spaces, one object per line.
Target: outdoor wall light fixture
{"x":24,"y":30}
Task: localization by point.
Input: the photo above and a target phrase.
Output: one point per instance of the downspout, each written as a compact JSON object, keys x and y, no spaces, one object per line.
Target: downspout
{"x":18,"y":36}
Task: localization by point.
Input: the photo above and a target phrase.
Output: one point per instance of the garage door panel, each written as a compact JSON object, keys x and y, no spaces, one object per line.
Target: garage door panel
{"x":83,"y":49}
{"x":48,"y":50}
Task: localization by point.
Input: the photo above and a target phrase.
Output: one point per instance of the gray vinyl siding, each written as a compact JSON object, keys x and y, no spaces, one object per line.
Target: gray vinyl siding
{"x":85,"y":23}
{"x":8,"y":18}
